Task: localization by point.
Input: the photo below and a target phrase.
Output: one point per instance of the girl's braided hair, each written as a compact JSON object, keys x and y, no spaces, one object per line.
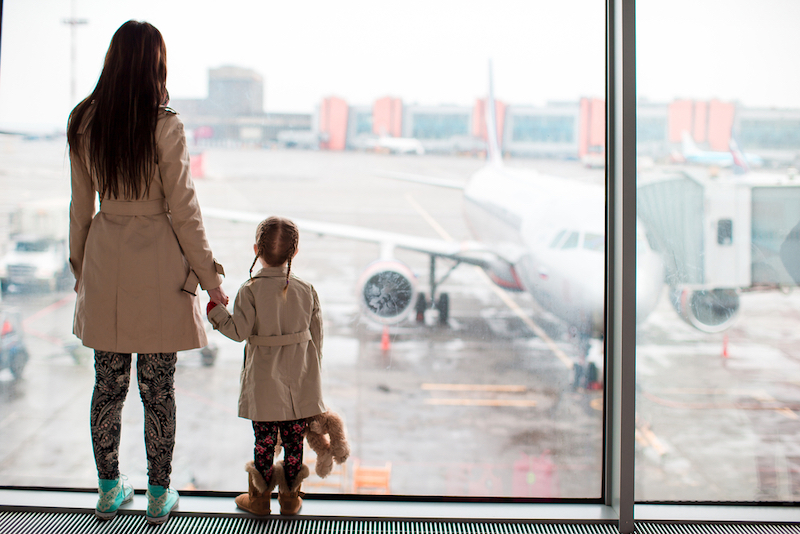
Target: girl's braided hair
{"x":277,"y":239}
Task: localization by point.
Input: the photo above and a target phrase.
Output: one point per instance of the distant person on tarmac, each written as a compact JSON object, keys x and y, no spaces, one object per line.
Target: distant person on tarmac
{"x":137,"y":262}
{"x":279,"y":316}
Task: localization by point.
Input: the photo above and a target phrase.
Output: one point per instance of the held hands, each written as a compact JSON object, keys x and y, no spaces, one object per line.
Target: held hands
{"x":218,"y":296}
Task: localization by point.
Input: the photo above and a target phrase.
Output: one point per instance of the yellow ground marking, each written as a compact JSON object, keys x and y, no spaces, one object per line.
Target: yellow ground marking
{"x":652,"y":440}
{"x":429,"y":218}
{"x":474,"y":387}
{"x":560,"y":354}
{"x":640,"y":438}
{"x":757,"y":394}
{"x":482,"y":402}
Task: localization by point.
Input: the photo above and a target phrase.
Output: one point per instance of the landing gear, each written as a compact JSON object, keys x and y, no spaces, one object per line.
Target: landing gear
{"x":587,"y":374}
{"x":208,"y":355}
{"x":443,"y":305}
{"x":420,"y":307}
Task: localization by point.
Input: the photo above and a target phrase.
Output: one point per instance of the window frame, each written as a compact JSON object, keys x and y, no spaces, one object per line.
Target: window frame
{"x":620,"y":338}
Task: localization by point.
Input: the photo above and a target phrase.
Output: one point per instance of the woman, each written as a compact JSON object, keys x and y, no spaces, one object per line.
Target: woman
{"x":138,"y":261}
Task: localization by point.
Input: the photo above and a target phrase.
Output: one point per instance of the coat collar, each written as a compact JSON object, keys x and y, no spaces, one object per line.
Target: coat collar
{"x":272,"y":272}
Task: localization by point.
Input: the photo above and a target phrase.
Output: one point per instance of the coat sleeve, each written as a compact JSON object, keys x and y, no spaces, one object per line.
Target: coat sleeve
{"x":187,"y":221}
{"x":316,"y":326}
{"x":81,"y":211}
{"x":239,"y":325}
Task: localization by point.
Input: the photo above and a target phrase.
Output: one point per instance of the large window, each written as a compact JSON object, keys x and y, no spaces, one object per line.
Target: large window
{"x":492,"y":388}
{"x":717,"y":382}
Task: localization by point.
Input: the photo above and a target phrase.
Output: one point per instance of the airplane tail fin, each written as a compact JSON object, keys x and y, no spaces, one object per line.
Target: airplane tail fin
{"x":740,"y":165}
{"x":493,"y":148}
{"x":688,"y":146}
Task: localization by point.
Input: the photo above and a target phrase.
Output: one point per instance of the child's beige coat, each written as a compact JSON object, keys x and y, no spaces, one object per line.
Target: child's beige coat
{"x":281,"y":373}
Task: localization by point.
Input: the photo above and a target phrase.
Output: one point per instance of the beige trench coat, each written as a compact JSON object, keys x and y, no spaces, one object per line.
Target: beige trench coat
{"x":138,"y":262}
{"x":281,"y":372}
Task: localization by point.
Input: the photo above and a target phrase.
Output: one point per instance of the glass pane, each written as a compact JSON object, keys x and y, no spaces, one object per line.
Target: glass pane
{"x":348,"y":118}
{"x":718,"y":145}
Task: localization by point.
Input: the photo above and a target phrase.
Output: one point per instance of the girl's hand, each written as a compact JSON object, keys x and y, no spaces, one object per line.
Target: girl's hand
{"x":218,"y":295}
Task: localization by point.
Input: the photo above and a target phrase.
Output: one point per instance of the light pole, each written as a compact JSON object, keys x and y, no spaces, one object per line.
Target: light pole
{"x":73,"y":24}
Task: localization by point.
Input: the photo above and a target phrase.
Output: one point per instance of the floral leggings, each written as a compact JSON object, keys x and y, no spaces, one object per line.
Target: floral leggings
{"x":156,"y":376}
{"x":292,"y":433}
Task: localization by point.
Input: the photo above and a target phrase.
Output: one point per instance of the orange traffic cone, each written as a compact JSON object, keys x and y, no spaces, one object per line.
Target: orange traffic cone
{"x":385,"y":339}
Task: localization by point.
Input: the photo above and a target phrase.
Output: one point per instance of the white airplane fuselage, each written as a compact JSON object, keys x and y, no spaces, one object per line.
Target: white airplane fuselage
{"x":560,"y":224}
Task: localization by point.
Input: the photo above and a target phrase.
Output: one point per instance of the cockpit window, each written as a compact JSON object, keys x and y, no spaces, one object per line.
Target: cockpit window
{"x":594,"y":242}
{"x":557,"y":239}
{"x":572,"y":241}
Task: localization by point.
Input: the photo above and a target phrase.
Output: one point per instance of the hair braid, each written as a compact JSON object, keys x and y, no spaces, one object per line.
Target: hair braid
{"x":276,"y":241}
{"x":253,"y":265}
{"x":288,"y":272}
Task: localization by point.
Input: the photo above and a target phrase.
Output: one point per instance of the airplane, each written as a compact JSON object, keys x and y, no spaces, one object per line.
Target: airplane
{"x":692,"y":153}
{"x":395,"y":145}
{"x":533,"y":232}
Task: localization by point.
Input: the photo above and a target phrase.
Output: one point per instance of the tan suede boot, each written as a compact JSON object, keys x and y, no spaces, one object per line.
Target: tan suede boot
{"x":289,"y":498}
{"x":256,"y":500}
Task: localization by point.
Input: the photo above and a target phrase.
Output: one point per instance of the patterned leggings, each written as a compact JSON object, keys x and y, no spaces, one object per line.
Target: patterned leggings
{"x":292,"y":433}
{"x":156,"y":376}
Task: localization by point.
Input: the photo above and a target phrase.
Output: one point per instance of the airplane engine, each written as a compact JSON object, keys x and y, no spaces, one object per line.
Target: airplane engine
{"x":386,"y":291}
{"x":709,"y":311}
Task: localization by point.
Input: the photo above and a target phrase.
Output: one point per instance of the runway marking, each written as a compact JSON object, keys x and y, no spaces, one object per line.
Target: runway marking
{"x":429,"y":218}
{"x":560,"y":354}
{"x":49,"y":309}
{"x":474,"y":387}
{"x":41,"y":313}
{"x":519,"y":403}
{"x":757,"y":394}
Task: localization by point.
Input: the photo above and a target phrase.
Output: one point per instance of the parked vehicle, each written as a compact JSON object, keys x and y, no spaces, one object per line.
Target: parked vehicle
{"x":13,"y":354}
{"x":39,"y":253}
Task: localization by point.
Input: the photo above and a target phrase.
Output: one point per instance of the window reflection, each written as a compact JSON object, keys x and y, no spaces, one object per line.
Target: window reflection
{"x":460,"y":396}
{"x":717,"y":415}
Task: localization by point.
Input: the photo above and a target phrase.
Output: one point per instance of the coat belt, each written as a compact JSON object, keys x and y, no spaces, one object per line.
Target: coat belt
{"x":134,"y":207}
{"x":279,"y":341}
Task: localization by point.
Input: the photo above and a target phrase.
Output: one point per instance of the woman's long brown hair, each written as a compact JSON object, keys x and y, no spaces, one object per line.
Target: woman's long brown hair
{"x":121,"y":139}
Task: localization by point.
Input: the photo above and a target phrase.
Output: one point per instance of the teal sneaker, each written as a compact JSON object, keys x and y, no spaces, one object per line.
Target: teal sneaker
{"x":160,"y":502}
{"x":113,"y":493}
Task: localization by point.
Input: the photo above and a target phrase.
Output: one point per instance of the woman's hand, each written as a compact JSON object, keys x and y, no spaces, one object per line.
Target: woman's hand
{"x":218,"y":295}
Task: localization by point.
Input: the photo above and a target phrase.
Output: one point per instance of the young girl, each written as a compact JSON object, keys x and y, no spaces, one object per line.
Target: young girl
{"x":279,"y":316}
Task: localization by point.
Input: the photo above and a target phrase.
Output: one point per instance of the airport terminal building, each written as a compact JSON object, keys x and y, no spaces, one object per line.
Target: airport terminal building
{"x":234,"y":114}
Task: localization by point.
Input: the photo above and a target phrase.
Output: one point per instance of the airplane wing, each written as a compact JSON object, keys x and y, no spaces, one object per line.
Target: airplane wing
{"x":470,"y":252}
{"x":421,"y":179}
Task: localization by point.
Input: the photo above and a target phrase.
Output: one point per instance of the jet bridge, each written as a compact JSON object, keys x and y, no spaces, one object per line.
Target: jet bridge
{"x":718,"y":235}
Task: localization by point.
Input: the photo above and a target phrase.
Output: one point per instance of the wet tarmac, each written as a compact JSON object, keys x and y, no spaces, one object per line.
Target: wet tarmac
{"x":478,"y":407}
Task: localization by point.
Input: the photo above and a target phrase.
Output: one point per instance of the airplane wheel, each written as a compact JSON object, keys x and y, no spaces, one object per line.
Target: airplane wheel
{"x":420,"y":307}
{"x":208,"y":356}
{"x":444,"y":308}
{"x":18,"y":360}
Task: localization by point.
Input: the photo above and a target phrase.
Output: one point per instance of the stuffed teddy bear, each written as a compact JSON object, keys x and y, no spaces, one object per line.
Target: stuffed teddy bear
{"x":326,"y":437}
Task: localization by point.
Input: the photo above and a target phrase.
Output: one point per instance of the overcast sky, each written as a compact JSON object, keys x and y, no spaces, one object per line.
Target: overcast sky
{"x":424,"y":51}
